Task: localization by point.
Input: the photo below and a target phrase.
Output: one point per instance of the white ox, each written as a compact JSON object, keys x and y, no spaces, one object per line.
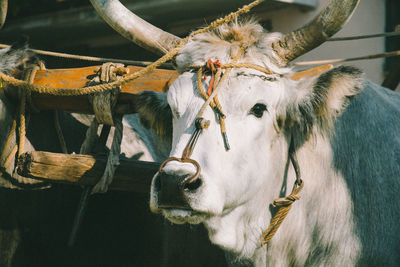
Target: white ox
{"x":344,"y":131}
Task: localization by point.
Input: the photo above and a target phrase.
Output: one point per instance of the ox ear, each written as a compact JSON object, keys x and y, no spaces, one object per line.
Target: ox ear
{"x":18,"y":56}
{"x":320,"y":100}
{"x":155,"y":113}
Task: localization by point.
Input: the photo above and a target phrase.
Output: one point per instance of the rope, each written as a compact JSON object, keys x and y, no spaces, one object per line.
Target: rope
{"x":102,"y":105}
{"x":215,"y":86}
{"x":285,"y":205}
{"x":237,"y":65}
{"x":22,"y":126}
{"x":30,"y":76}
{"x":18,"y":148}
{"x":385,"y":34}
{"x":89,"y":58}
{"x":113,"y":158}
{"x":330,"y":61}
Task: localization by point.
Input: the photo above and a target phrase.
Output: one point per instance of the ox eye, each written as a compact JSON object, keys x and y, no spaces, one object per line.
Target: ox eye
{"x":258,"y":110}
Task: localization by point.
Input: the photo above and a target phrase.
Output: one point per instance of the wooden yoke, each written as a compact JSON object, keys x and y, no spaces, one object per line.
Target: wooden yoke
{"x":158,"y":80}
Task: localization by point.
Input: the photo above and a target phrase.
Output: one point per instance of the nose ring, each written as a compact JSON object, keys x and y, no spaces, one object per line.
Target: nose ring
{"x":183,"y":160}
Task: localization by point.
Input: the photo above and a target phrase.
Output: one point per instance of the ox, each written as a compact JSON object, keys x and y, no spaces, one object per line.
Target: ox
{"x":343,"y":129}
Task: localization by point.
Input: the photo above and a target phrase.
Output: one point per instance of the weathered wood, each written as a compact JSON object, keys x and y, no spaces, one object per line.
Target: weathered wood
{"x":131,"y":175}
{"x":158,"y":80}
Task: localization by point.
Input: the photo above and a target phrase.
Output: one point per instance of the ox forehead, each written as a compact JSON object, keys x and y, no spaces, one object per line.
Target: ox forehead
{"x":238,"y":95}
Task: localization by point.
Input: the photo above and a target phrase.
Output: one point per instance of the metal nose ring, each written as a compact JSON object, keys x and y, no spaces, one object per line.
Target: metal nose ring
{"x":200,"y":124}
{"x":184,"y":160}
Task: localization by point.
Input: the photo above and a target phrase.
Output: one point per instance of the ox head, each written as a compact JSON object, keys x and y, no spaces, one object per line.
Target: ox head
{"x":264,"y":112}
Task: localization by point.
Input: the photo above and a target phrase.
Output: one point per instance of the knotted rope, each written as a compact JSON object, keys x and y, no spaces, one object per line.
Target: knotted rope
{"x":285,"y":204}
{"x":103,"y":104}
{"x":211,"y":95}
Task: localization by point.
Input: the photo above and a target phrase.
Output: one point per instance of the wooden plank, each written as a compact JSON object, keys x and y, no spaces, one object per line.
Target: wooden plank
{"x":131,"y":175}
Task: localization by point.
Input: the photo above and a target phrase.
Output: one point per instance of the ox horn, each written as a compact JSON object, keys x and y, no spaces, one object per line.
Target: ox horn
{"x":134,"y":28}
{"x":328,"y":22}
{"x":3,"y":12}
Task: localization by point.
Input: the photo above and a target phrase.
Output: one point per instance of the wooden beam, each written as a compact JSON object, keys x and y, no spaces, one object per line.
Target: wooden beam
{"x":158,"y":80}
{"x":131,"y":175}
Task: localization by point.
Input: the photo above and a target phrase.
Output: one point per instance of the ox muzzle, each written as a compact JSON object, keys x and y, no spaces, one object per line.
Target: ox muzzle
{"x":173,"y":189}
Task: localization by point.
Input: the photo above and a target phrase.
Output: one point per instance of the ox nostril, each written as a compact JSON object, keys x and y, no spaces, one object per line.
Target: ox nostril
{"x":193,"y":185}
{"x":170,"y":189}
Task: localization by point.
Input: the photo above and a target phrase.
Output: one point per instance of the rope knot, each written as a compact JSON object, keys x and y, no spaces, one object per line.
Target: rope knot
{"x":201,"y":123}
{"x":212,"y":67}
{"x":294,"y":195}
{"x":286,"y":201}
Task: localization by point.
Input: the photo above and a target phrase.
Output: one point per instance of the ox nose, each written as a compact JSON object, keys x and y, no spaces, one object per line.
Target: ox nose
{"x":173,"y":190}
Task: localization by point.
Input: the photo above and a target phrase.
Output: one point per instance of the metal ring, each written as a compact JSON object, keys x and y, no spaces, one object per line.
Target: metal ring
{"x":183,"y":160}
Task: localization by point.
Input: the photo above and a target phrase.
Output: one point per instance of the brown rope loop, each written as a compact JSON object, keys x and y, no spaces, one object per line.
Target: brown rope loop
{"x":103,"y":102}
{"x":29,"y":76}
